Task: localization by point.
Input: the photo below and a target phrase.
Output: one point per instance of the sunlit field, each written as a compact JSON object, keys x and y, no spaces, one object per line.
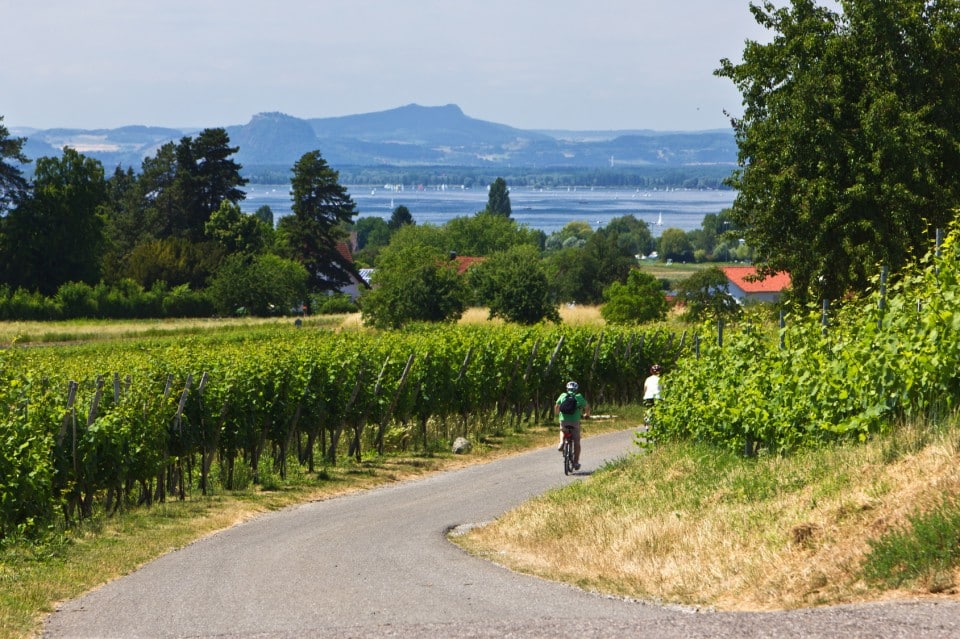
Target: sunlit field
{"x":86,"y":330}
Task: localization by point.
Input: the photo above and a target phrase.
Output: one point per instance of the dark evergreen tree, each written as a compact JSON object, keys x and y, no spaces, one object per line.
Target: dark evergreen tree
{"x":311,"y":233}
{"x":400,"y":217}
{"x":12,"y":183}
{"x":498,"y":198}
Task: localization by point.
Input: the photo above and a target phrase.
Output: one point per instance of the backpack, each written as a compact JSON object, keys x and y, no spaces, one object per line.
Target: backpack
{"x":569,"y":404}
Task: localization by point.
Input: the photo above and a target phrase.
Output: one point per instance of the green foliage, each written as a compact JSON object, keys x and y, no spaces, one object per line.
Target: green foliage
{"x":633,"y":235}
{"x":173,"y":261}
{"x":320,"y":205}
{"x":413,"y":284}
{"x":203,"y":177}
{"x":572,"y":235}
{"x":265,"y":215}
{"x":372,"y":231}
{"x":56,"y":235}
{"x":487,"y":233}
{"x":706,"y":295}
{"x":401,"y":216}
{"x":881,"y":358}
{"x":639,"y":300}
{"x":179,"y":301}
{"x":13,"y":186}
{"x":263,"y":285}
{"x":927,"y":550}
{"x":498,"y":198}
{"x":606,"y":261}
{"x":235,"y":231}
{"x":569,"y":274}
{"x":334,"y":304}
{"x":27,"y":495}
{"x":77,"y":300}
{"x":514,"y":286}
{"x":675,"y":245}
{"x":266,"y":391}
{"x":847,"y":145}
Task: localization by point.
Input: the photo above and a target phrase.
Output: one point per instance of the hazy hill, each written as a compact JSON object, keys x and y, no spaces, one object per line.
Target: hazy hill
{"x":405,"y":136}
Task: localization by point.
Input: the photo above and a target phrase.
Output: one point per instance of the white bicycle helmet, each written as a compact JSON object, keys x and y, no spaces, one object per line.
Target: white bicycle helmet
{"x":572,"y":387}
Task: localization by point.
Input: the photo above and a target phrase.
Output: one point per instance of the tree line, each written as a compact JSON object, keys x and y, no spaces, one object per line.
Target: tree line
{"x":642,"y":177}
{"x":171,"y":239}
{"x":167,"y":239}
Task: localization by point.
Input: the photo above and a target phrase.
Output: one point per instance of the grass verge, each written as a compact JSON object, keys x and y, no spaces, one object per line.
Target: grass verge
{"x":34,"y":577}
{"x":688,"y":524}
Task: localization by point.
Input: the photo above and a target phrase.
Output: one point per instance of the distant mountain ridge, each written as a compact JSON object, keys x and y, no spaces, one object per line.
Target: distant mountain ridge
{"x":411,"y":135}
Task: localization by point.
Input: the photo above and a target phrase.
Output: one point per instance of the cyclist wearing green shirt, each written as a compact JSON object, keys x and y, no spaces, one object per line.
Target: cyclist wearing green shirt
{"x":570,"y":421}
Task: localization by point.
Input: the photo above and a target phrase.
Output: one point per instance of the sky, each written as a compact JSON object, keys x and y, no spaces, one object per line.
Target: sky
{"x":531,"y":64}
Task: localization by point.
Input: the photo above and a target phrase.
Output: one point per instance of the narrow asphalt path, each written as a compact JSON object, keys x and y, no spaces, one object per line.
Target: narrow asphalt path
{"x":378,"y":564}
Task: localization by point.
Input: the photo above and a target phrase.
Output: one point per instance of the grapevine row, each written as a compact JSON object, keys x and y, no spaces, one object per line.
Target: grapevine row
{"x":89,"y":427}
{"x":891,"y":356}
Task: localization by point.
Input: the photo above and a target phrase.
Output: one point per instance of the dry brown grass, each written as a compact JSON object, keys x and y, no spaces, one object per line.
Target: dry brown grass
{"x":570,"y":314}
{"x":653,"y":531}
{"x":87,"y":330}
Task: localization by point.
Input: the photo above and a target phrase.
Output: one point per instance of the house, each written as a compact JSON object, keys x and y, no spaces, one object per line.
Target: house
{"x":744,"y":288}
{"x":354,"y":287}
{"x":465,"y":263}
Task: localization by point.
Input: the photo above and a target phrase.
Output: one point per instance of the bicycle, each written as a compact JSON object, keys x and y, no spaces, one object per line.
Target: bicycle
{"x":568,"y":452}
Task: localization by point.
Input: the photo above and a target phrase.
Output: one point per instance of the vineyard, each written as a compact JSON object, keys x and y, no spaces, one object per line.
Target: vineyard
{"x":97,"y":428}
{"x":892,"y":355}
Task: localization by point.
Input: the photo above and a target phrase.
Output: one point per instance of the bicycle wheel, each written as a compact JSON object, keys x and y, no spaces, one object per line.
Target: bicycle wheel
{"x":567,"y":455}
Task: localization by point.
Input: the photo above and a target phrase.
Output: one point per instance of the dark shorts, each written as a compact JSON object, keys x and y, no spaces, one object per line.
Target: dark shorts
{"x":573,"y":427}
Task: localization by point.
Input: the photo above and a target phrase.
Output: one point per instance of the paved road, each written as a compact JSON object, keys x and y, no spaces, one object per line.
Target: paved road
{"x":377,"y":564}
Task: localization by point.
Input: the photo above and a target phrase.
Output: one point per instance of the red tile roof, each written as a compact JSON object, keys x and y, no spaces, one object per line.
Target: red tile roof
{"x":344,"y":249}
{"x":464,"y":263}
{"x":742,"y":277}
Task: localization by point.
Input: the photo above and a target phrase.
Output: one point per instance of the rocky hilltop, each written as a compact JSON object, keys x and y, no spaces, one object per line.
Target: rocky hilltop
{"x":411,"y":135}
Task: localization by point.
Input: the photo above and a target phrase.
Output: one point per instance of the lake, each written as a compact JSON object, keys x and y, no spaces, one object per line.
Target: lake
{"x":546,"y":209}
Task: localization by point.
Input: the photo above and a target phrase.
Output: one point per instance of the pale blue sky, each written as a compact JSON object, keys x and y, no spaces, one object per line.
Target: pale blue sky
{"x":564,"y":64}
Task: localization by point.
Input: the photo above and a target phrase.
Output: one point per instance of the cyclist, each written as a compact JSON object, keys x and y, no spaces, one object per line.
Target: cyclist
{"x":651,"y":392}
{"x":571,"y":420}
{"x":651,"y":386}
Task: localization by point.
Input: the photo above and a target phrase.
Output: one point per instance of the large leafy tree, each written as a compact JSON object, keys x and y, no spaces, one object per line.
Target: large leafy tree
{"x":12,"y":183}
{"x":56,"y":235}
{"x":413,"y":283}
{"x":236,"y":231}
{"x":609,"y":261}
{"x":173,"y":261}
{"x":513,"y":285}
{"x":676,"y":246}
{"x":320,"y":204}
{"x":486,"y":233}
{"x":640,"y":299}
{"x":848,"y":145}
{"x":261,"y":285}
{"x":632,"y":234}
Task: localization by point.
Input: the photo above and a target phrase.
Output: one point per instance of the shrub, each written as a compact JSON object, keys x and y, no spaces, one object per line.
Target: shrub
{"x":76,"y":300}
{"x":334,"y":304}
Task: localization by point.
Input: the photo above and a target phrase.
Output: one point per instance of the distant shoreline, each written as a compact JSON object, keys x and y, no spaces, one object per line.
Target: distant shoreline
{"x":548,"y":210}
